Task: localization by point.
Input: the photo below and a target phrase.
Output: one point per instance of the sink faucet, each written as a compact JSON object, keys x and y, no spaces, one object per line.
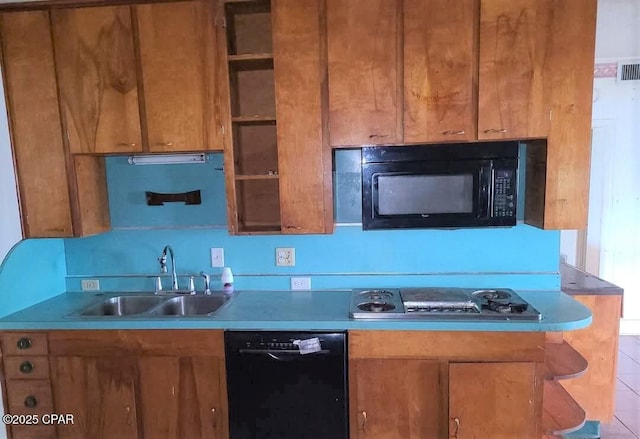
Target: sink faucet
{"x":207,"y":282}
{"x":163,"y":266}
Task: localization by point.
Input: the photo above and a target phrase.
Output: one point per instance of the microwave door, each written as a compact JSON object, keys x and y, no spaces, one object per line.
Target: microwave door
{"x":434,"y":195}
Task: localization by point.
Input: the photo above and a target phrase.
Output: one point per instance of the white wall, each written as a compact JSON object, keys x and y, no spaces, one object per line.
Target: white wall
{"x":618,"y":29}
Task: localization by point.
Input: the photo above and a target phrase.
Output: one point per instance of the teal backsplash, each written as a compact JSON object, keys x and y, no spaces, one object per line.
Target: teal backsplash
{"x":520,"y":257}
{"x":33,"y":271}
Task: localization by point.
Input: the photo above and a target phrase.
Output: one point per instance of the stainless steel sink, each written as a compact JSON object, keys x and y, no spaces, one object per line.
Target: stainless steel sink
{"x":122,"y":306}
{"x":143,"y":305}
{"x":189,"y":306}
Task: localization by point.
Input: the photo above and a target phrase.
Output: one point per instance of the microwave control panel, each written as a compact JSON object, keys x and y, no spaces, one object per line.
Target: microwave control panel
{"x":504,"y":199}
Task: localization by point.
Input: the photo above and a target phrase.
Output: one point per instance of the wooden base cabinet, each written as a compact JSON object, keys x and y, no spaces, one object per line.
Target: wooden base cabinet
{"x":130,"y":384}
{"x":431,"y":385}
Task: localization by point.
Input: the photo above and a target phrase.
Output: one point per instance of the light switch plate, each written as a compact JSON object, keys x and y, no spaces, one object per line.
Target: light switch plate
{"x":90,"y":285}
{"x":285,"y":257}
{"x":217,"y":257}
{"x":300,"y":283}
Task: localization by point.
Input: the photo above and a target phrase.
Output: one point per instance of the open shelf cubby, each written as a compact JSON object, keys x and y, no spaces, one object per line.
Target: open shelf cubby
{"x":253,"y":116}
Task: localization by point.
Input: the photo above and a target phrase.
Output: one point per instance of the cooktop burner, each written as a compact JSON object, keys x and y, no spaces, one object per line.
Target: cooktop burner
{"x":441,"y":303}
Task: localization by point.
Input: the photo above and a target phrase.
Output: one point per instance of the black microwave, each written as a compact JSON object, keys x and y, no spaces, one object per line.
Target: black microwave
{"x":443,"y":186}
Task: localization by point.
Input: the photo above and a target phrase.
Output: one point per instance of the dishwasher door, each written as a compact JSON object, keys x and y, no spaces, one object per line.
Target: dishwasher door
{"x":275,"y":392}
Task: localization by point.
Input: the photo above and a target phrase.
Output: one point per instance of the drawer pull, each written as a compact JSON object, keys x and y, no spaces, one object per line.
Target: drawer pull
{"x":26,"y":367}
{"x":30,"y":402}
{"x":24,"y":343}
{"x":453,"y":132}
{"x":496,"y":130}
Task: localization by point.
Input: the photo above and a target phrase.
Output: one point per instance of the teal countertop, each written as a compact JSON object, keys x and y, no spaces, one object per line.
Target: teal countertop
{"x":290,"y":310}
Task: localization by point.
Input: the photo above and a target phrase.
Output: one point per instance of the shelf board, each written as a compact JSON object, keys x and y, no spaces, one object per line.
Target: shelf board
{"x":562,"y":362}
{"x":256,"y":176}
{"x":560,"y":412}
{"x":251,"y":61}
{"x":256,"y":120}
{"x":260,"y":228}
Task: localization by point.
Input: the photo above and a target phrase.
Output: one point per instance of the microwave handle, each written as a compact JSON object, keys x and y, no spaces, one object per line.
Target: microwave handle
{"x":487,"y":179}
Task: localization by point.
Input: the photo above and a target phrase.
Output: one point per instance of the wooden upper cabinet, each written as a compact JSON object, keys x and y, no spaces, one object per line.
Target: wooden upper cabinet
{"x":304,"y":156}
{"x":97,"y":79}
{"x":494,"y":400}
{"x":512,"y":102}
{"x":177,"y":53}
{"x":36,"y":137}
{"x":439,"y":70}
{"x":365,"y":98}
{"x":395,"y":398}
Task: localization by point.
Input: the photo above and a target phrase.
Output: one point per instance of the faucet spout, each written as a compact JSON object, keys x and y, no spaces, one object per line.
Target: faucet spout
{"x":163,"y":265}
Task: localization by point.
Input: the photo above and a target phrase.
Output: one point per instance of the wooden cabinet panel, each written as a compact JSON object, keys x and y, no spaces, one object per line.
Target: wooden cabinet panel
{"x":365,"y":96}
{"x":97,"y":79}
{"x":598,"y":343}
{"x":24,"y":343}
{"x":511,"y":95}
{"x":439,"y":70}
{"x":395,"y":398}
{"x":100,"y":392}
{"x":29,"y":397}
{"x":181,"y":397}
{"x":26,"y":368}
{"x":569,"y":79}
{"x":494,"y":400}
{"x":32,"y":103}
{"x":177,"y":52}
{"x":304,"y":156}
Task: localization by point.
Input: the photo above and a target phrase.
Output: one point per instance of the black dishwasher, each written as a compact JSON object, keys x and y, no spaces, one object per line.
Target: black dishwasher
{"x":287,"y":385}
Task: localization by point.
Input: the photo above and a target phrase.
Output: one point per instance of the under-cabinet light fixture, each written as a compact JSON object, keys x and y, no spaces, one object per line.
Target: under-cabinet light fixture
{"x":167,"y":159}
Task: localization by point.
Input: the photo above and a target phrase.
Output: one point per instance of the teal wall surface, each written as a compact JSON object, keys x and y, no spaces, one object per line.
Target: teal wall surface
{"x":34,"y":270}
{"x":520,"y":257}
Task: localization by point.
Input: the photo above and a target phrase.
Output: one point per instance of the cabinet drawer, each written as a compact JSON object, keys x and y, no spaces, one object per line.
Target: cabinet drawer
{"x":25,"y":343}
{"x":26,"y":368}
{"x":29,"y":397}
{"x":33,"y":432}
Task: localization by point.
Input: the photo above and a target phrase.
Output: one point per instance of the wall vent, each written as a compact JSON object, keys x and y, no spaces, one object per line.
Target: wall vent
{"x":629,"y":70}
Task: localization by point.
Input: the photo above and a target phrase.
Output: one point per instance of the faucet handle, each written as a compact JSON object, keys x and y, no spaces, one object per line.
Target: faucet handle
{"x":207,"y":282}
{"x":192,"y":286}
{"x":163,"y":263}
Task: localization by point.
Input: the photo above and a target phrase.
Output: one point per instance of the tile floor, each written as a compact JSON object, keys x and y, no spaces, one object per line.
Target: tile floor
{"x":626,"y":424}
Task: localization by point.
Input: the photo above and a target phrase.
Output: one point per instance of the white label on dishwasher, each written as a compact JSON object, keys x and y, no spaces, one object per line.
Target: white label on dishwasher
{"x":308,"y":346}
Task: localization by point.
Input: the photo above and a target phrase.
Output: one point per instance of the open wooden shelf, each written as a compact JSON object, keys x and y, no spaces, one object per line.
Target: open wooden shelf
{"x":256,"y":176}
{"x":251,"y":61}
{"x":562,"y":362}
{"x":254,"y":119}
{"x":560,"y":412}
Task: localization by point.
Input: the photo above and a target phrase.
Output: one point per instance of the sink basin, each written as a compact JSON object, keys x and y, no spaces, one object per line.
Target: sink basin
{"x":123,"y":306}
{"x":189,"y":306}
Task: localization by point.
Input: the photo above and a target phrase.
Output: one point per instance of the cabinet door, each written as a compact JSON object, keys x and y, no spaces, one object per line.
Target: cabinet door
{"x":494,"y":401}
{"x":99,"y":392}
{"x":512,"y":102}
{"x":181,"y":397}
{"x":569,"y":80}
{"x":395,"y":398}
{"x":439,"y":70}
{"x":304,"y":156}
{"x":97,"y":79}
{"x":36,"y":137}
{"x":365,"y":99}
{"x":177,"y":52}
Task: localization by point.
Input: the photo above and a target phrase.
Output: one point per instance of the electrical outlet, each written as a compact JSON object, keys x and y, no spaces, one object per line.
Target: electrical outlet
{"x":285,"y":257}
{"x":300,"y":283}
{"x":217,"y":257}
{"x":90,"y":285}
